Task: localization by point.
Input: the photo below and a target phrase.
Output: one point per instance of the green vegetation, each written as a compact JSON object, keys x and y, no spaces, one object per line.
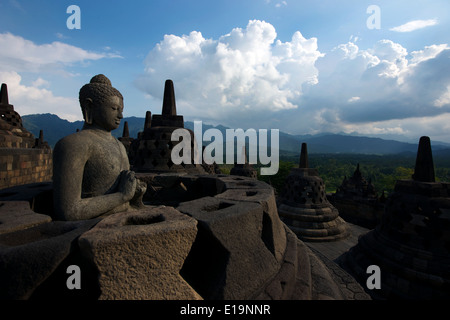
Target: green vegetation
{"x":383,"y":171}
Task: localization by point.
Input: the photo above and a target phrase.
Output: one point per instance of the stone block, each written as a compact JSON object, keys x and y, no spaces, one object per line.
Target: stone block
{"x":139,"y":254}
{"x":236,"y":229}
{"x":276,"y":234}
{"x":17,"y":215}
{"x":29,"y":257}
{"x":240,"y":182}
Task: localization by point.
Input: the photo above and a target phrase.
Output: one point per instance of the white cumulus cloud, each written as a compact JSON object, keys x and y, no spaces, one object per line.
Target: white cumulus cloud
{"x":444,"y":99}
{"x":20,"y":56}
{"x":237,"y":76}
{"x":390,"y":90}
{"x":250,"y":78}
{"x":415,"y":25}
{"x":34,"y":99}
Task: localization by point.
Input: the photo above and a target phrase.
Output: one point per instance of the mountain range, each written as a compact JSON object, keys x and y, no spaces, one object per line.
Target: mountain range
{"x":55,"y":128}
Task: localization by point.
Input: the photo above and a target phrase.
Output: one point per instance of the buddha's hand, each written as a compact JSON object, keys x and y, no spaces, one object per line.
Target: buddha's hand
{"x":127,"y":184}
{"x":141,"y":188}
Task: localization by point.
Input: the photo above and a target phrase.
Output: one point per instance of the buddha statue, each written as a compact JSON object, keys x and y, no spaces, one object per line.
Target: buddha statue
{"x":91,"y":170}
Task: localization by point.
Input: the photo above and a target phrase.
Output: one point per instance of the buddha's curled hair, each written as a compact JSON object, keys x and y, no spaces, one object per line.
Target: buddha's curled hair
{"x":98,"y":89}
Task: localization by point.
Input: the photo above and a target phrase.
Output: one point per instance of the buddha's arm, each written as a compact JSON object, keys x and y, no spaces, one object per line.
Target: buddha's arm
{"x":69,"y":160}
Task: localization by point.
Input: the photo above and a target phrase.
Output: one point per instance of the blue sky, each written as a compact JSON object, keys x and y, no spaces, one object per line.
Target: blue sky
{"x":298,"y":66}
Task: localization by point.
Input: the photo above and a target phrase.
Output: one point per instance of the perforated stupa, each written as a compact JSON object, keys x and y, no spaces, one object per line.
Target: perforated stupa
{"x":304,"y":207}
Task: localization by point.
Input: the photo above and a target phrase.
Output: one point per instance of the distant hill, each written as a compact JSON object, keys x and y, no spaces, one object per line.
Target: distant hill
{"x":53,"y":127}
{"x":56,"y":128}
{"x":352,"y":144}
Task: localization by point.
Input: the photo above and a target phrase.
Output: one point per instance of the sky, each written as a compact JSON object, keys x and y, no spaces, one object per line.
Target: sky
{"x":372,"y":68}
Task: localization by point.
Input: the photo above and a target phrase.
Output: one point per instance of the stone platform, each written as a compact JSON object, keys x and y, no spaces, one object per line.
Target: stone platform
{"x":223,"y":241}
{"x":333,"y":250}
{"x":330,"y":254}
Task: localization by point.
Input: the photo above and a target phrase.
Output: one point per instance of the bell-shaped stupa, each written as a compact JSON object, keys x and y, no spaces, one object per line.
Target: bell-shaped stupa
{"x":411,"y":245}
{"x":304,"y":207}
{"x":357,"y":201}
{"x":153,"y":149}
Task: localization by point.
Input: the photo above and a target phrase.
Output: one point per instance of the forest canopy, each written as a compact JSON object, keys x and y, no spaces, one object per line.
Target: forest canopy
{"x":383,"y":171}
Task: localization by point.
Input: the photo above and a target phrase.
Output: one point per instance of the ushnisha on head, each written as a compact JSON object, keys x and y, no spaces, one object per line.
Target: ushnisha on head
{"x":101,"y":103}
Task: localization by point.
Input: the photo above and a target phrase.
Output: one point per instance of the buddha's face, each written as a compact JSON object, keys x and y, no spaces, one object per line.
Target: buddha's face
{"x":108,"y":114}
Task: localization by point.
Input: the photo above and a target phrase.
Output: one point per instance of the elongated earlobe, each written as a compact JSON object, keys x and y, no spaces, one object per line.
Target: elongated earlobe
{"x":87,"y":111}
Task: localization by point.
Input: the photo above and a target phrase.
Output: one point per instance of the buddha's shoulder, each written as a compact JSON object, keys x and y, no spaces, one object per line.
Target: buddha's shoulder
{"x":76,"y":141}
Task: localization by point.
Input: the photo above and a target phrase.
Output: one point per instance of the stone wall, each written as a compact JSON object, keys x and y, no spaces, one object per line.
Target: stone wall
{"x":20,"y":166}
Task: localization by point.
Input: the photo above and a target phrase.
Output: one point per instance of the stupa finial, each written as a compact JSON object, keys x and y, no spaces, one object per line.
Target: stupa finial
{"x":424,"y":169}
{"x":148,"y":120}
{"x":41,"y":136}
{"x":304,"y":157}
{"x":126,"y":131}
{"x":169,"y":105}
{"x":4,"y":94}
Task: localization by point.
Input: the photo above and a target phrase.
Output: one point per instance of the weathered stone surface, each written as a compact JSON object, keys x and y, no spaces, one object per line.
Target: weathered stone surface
{"x":236,"y":182}
{"x":323,"y":285}
{"x":139,"y":254}
{"x":349,"y":288}
{"x":307,"y":275}
{"x":245,"y":263}
{"x":283,"y":285}
{"x":233,"y":247}
{"x":28,"y":257}
{"x":38,"y":195}
{"x":17,"y":215}
{"x":275,"y":230}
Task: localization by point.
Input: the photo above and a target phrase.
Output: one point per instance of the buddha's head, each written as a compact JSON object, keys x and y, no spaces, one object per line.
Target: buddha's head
{"x":101,"y":104}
